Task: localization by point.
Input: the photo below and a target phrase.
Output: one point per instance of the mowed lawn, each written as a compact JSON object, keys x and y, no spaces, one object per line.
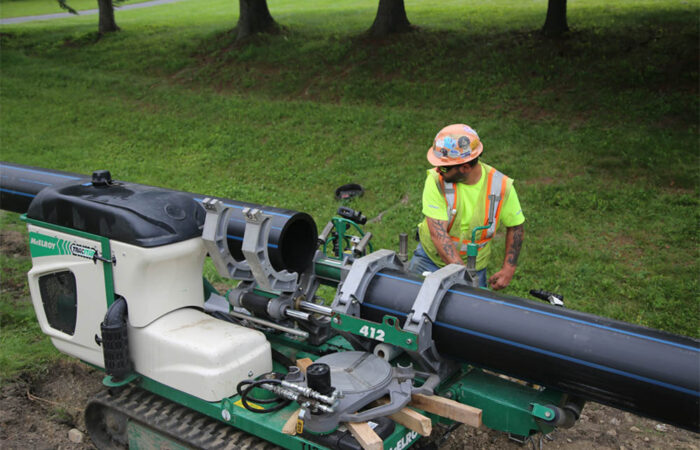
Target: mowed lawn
{"x":599,"y":128}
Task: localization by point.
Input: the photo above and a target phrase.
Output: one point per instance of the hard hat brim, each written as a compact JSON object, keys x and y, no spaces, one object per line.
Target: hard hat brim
{"x":444,"y":161}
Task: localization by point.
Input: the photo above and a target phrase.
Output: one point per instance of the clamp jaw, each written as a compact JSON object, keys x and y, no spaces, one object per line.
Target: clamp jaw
{"x":256,"y":266}
{"x":352,"y":291}
{"x":424,"y":313}
{"x":419,"y":321}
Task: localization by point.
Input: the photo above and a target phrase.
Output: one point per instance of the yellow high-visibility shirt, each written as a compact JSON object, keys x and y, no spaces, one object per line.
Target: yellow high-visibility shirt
{"x":470,"y":201}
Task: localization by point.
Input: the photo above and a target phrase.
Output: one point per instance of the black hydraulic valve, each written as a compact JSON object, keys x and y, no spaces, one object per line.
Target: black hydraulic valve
{"x":351,"y":214}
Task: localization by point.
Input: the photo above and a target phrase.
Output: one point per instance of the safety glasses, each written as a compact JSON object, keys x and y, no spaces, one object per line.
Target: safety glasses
{"x":445,"y":169}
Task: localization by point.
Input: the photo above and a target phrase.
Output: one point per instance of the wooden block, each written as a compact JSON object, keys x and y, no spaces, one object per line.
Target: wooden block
{"x":303,"y":363}
{"x":414,"y":421}
{"x":365,"y":435}
{"x":445,"y":407}
{"x":290,"y":427}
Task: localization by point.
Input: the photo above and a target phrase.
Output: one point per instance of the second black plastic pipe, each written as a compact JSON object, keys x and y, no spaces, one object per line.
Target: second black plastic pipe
{"x":630,"y":367}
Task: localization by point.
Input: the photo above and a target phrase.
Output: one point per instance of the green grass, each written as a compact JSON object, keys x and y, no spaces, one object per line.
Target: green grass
{"x":21,"y":8}
{"x":23,"y":347}
{"x":599,"y":129}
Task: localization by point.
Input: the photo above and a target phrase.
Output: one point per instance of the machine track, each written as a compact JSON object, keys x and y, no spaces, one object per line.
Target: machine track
{"x":108,"y":414}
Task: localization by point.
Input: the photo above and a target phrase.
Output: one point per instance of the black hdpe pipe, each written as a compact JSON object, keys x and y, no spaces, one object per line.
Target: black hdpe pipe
{"x":630,"y":367}
{"x":292,"y":241}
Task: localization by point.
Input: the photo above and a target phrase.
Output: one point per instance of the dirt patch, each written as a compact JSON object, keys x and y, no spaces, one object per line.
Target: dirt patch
{"x":40,"y":412}
{"x":600,"y":427}
{"x":13,"y":243}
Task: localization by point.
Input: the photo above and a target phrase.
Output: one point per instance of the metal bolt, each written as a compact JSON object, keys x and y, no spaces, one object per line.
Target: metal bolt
{"x":548,"y":414}
{"x":226,"y":415}
{"x":354,"y":302}
{"x":336,"y":320}
{"x":425,"y":320}
{"x":250,"y":373}
{"x":448,"y":394}
{"x":409,"y":341}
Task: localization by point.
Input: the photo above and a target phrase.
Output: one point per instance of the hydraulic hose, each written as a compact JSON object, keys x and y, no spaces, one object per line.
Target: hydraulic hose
{"x":245,"y":387}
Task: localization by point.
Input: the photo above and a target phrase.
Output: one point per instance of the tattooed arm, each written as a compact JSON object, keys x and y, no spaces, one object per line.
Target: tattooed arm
{"x":514,"y":242}
{"x":443,"y":243}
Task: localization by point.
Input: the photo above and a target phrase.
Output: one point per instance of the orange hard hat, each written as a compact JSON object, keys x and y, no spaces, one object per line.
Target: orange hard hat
{"x":455,"y":144}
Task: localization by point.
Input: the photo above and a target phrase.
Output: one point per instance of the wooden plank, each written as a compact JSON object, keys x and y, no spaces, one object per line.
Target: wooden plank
{"x":414,"y":421}
{"x":290,"y":427}
{"x":303,"y":363}
{"x":365,"y":435}
{"x":445,"y":407}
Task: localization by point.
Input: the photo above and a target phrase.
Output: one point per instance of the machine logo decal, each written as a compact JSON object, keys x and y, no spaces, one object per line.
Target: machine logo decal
{"x":82,"y":251}
{"x":405,"y":441}
{"x":43,"y":245}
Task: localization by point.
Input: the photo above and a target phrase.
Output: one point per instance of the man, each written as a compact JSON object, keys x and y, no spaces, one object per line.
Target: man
{"x":460,"y":194}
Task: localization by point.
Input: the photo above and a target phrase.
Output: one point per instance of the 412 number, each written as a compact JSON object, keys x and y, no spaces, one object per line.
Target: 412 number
{"x":372,"y":333}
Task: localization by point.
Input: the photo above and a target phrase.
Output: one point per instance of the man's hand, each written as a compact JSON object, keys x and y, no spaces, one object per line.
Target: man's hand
{"x":502,"y":278}
{"x":514,"y":242}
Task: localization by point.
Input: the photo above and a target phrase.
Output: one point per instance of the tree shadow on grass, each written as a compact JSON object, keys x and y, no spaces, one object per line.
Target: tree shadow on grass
{"x":615,"y":88}
{"x":511,"y":70}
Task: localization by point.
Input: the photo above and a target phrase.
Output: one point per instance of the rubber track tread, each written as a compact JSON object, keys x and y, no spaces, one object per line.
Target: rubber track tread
{"x":183,"y":425}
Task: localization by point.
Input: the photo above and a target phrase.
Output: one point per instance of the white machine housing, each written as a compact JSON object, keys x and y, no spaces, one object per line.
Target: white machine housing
{"x":171,"y":340}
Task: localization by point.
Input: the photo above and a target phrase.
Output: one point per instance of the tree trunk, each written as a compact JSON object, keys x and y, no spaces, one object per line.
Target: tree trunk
{"x":254,"y":18}
{"x":107,"y":23}
{"x":391,"y":18}
{"x":555,"y":24}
